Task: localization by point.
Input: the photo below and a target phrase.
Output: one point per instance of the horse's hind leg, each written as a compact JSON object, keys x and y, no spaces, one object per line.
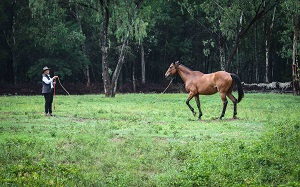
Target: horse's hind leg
{"x":223,"y":97}
{"x":234,"y":100}
{"x":191,"y":95}
{"x":198,"y":105}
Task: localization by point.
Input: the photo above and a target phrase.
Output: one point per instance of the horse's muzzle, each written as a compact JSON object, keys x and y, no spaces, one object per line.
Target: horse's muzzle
{"x":168,"y":76}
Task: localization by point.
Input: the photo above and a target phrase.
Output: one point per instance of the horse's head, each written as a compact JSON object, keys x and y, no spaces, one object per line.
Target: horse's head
{"x":172,"y":70}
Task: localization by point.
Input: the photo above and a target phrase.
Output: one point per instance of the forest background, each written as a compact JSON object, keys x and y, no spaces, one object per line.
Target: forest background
{"x":113,"y":43}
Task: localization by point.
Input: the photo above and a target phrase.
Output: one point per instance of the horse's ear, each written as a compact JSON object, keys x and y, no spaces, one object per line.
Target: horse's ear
{"x":176,"y":63}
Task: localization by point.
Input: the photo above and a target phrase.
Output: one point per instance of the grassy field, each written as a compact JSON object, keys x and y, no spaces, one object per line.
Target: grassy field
{"x":149,"y":140}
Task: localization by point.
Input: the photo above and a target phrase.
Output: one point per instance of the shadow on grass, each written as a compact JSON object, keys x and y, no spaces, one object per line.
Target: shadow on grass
{"x":216,"y":119}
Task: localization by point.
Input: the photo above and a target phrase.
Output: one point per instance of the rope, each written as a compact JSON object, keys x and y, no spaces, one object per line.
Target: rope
{"x":168,"y":86}
{"x":63,"y":86}
{"x":164,"y":90}
{"x":54,"y":92}
{"x":54,"y":95}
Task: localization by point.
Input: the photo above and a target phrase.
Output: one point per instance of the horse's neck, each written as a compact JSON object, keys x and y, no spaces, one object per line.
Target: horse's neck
{"x":185,"y":72}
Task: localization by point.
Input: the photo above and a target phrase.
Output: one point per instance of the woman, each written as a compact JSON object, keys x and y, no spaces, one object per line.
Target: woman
{"x":47,"y":90}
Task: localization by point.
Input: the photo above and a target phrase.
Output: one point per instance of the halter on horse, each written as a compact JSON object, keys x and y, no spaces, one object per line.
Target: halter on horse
{"x":198,"y":83}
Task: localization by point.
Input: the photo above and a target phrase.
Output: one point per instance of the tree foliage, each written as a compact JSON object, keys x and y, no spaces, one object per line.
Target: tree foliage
{"x":204,"y":35}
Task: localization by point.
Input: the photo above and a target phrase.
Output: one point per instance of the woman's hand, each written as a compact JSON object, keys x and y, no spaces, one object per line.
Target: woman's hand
{"x":55,"y":77}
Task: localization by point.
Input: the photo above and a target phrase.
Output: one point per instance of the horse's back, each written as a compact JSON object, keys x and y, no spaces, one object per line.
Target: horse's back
{"x":209,"y":84}
{"x":222,"y":75}
{"x":205,"y":84}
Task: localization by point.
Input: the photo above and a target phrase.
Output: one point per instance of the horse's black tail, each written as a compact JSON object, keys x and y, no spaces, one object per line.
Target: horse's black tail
{"x":238,"y":83}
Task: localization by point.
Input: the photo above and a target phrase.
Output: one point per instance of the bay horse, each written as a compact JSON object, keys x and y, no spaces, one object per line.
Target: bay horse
{"x":198,"y":83}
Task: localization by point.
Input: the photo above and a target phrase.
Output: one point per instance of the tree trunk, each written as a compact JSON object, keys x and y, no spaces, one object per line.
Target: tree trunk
{"x":268,"y":34}
{"x":222,"y":52}
{"x":133,"y":76}
{"x":238,"y":31}
{"x":14,"y":67}
{"x":266,"y":48}
{"x":256,"y":54}
{"x":258,"y":14}
{"x":13,"y":51}
{"x":11,"y":42}
{"x":143,"y":65}
{"x":85,"y":69}
{"x":110,"y":86}
{"x":117,"y":71}
{"x":104,"y":48}
{"x":267,"y":62}
{"x":296,"y":89}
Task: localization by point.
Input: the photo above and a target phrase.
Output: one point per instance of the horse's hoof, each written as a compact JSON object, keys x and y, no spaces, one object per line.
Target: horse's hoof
{"x":234,"y":117}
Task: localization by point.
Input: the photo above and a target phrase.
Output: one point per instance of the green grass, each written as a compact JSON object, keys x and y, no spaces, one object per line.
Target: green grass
{"x":149,"y":140}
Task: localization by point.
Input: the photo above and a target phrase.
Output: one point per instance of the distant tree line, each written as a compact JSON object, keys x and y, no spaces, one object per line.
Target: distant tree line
{"x":117,"y":42}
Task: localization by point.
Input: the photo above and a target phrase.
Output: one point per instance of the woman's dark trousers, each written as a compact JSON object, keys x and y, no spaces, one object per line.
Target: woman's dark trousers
{"x":48,"y":102}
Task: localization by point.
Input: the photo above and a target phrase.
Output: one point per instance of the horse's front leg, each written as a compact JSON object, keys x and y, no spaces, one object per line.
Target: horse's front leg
{"x":188,"y":103}
{"x":198,"y":105}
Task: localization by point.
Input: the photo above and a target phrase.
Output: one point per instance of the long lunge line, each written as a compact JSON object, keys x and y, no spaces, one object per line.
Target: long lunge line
{"x":63,"y":87}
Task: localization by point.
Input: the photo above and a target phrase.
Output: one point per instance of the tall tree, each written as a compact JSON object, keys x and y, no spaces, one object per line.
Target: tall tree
{"x":143,"y":63}
{"x":69,"y":39}
{"x":85,"y":67}
{"x":227,"y":23}
{"x":9,"y":32}
{"x":15,"y":43}
{"x":268,"y":28}
{"x":292,"y":9}
{"x":127,"y":12}
{"x":105,"y":9}
{"x":57,"y":39}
